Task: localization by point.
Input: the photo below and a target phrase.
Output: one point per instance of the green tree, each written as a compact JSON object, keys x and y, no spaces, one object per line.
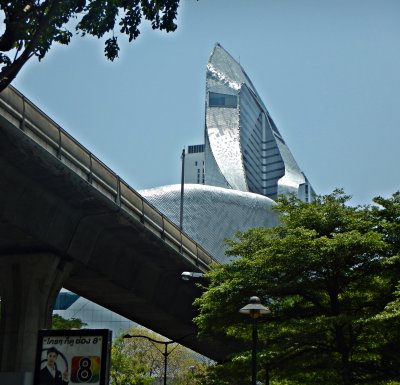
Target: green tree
{"x":32,"y":26}
{"x":148,"y":356}
{"x":230,"y":373}
{"x":388,"y":217}
{"x":127,"y":368}
{"x":59,"y":322}
{"x":327,"y":273}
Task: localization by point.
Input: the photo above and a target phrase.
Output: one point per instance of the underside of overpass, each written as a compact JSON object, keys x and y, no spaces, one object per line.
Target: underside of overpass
{"x":66,"y":220}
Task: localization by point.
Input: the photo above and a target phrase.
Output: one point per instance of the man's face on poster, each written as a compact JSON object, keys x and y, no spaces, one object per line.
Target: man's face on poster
{"x":51,"y":358}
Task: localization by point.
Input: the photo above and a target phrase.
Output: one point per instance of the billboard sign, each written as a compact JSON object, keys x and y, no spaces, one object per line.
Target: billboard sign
{"x":68,"y":357}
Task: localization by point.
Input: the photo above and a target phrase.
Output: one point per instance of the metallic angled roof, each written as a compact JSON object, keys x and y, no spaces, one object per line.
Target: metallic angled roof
{"x":223,"y":68}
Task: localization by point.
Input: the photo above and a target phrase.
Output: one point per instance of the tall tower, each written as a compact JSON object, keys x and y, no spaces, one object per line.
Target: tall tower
{"x":243,"y":148}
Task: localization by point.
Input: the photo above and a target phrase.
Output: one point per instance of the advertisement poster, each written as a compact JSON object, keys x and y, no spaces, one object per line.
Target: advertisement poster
{"x":68,"y":357}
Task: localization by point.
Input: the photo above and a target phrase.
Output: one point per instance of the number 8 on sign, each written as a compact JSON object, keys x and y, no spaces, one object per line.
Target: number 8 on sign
{"x":85,"y":369}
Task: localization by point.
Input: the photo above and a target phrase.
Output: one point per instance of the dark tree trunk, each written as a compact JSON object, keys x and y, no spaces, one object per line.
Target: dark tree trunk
{"x":346,"y":369}
{"x":344,"y":351}
{"x":266,"y":374}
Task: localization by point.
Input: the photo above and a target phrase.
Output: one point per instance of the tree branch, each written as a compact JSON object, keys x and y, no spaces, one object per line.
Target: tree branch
{"x":8,"y":73}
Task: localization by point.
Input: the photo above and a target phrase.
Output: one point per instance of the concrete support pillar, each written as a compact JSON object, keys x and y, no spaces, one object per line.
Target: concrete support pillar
{"x":29,"y":285}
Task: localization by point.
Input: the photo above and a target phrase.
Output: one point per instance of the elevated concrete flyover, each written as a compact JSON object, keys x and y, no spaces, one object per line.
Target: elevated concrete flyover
{"x":67,"y":220}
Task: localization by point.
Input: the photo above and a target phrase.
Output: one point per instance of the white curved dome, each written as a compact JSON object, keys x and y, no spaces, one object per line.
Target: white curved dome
{"x":213,"y":214}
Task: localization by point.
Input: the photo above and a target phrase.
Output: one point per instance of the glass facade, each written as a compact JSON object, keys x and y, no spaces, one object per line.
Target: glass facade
{"x":222,"y":100}
{"x":251,"y":140}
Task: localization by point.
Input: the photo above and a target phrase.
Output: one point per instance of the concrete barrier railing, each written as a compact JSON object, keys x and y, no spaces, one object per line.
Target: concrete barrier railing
{"x":24,"y":115}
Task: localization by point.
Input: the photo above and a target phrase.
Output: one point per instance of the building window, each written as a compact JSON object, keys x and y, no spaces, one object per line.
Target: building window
{"x":196,"y":148}
{"x":222,"y":100}
{"x":195,"y":163}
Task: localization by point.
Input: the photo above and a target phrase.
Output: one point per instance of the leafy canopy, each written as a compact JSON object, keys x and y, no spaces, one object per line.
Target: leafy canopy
{"x":32,"y":26}
{"x":59,"y":323}
{"x":328,"y":273}
{"x":139,"y":361}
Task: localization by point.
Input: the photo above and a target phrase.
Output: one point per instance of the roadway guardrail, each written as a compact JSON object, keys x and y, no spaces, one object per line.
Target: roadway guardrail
{"x":44,"y":131}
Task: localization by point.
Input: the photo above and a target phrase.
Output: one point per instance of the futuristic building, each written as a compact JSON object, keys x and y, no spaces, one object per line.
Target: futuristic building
{"x":243,"y":148}
{"x":243,"y":165}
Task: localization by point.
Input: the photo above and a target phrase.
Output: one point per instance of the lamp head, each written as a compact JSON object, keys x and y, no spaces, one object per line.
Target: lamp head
{"x":254,"y":308}
{"x":188,"y":275}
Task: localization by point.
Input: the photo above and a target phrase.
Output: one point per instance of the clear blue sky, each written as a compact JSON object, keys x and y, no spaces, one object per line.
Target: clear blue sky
{"x":328,"y":72}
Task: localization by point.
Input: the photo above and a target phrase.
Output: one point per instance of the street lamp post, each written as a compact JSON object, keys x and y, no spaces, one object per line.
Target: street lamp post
{"x":255,"y":310}
{"x":182,"y":190}
{"x":166,"y":353}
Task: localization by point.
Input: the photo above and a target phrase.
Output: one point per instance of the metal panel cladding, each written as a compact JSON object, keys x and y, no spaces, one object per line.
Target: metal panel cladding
{"x":243,"y":148}
{"x":213,"y":214}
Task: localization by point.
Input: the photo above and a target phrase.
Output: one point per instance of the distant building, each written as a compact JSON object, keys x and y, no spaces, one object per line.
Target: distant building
{"x":70,"y":305}
{"x":243,"y":148}
{"x":194,"y":164}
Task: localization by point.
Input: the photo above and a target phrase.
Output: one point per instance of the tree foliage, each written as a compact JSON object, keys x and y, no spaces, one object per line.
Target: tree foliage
{"x":32,"y":26}
{"x":59,"y":322}
{"x":139,"y":359}
{"x":127,"y":369}
{"x":329,"y":274}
